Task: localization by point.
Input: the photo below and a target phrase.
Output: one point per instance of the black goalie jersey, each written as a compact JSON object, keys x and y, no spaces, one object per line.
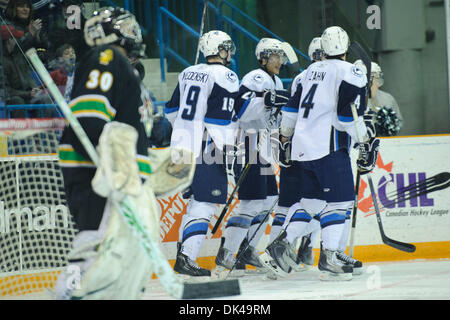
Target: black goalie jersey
{"x":106,"y":88}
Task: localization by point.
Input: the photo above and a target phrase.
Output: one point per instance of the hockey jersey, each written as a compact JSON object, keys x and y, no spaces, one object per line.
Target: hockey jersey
{"x":320,"y":109}
{"x":251,"y":112}
{"x":106,"y":88}
{"x":203,"y":100}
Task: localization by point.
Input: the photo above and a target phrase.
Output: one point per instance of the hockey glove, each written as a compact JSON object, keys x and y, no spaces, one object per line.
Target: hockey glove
{"x":368,"y":155}
{"x":276,"y":98}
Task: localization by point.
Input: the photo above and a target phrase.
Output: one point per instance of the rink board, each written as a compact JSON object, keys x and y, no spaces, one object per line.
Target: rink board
{"x":424,"y":221}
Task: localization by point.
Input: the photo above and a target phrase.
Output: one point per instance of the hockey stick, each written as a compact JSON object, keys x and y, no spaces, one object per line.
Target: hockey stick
{"x":358,"y":51}
{"x":355,"y":210}
{"x":242,"y":177}
{"x":161,"y":266}
{"x":386,"y":240}
{"x":239,"y":256}
{"x":202,"y":25}
{"x":437,"y":182}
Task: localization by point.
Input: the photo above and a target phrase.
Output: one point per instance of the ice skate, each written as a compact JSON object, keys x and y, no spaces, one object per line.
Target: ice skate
{"x":356,"y":264}
{"x":305,"y":255}
{"x":249,"y":257}
{"x":225,"y":260}
{"x":188,"y":268}
{"x":332,"y":268}
{"x":282,"y":254}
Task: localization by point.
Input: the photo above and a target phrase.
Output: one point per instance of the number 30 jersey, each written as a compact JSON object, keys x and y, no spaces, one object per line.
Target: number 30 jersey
{"x":203,"y":99}
{"x":320,"y":109}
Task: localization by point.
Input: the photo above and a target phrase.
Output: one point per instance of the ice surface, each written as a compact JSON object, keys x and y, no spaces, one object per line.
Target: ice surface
{"x":412,"y":280}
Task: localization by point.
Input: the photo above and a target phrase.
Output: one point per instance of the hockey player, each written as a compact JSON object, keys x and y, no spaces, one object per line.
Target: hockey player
{"x":260,"y":94}
{"x":289,"y":193}
{"x":382,"y":108}
{"x":201,"y":110}
{"x":107,"y":261}
{"x":319,"y":117}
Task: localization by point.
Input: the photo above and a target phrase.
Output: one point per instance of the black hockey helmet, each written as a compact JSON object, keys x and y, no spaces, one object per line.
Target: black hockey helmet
{"x":110,"y":25}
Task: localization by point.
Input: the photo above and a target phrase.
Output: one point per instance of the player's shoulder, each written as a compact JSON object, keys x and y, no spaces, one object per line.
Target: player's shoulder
{"x":351,"y":73}
{"x":257,"y":80}
{"x":212,"y":73}
{"x":225,"y":77}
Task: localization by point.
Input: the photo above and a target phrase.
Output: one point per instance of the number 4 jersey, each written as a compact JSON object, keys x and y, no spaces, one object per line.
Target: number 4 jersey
{"x":320,"y":109}
{"x":203,"y":98}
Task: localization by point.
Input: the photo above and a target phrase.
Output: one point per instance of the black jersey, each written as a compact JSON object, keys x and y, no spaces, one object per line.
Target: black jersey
{"x":106,"y":88}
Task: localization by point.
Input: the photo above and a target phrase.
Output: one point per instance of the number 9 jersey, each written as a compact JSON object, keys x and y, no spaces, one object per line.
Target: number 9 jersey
{"x":203,"y":98}
{"x":319,"y":110}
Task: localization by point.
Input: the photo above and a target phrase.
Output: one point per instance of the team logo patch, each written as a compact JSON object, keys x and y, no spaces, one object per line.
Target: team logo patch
{"x":258,"y":78}
{"x":231,"y":76}
{"x":357,"y":71}
{"x":106,"y":57}
{"x":216,"y":192}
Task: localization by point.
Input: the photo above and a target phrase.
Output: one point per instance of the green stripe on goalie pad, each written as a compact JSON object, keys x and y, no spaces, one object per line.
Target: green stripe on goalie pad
{"x":212,"y":289}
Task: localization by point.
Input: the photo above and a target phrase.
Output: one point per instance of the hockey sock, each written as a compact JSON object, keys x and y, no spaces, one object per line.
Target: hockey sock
{"x":344,"y":237}
{"x":278,"y":221}
{"x":236,"y":230}
{"x":332,"y":224}
{"x":297,"y":225}
{"x":255,"y":224}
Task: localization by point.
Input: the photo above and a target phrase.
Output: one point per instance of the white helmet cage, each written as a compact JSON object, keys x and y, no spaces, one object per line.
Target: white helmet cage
{"x":335,"y":41}
{"x":315,"y":51}
{"x":213,"y":41}
{"x":267,"y":47}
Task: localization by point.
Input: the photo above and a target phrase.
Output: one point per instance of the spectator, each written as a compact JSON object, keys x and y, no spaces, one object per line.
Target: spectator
{"x":19,"y":33}
{"x":382,"y":106}
{"x":62,"y":66}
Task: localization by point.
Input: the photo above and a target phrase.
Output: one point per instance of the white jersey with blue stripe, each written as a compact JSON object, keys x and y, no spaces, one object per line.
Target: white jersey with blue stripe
{"x":251,"y":112}
{"x":320,"y":109}
{"x":203,"y":99}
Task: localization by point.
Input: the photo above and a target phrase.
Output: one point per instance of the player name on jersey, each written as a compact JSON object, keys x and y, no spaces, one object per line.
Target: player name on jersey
{"x":195,"y":76}
{"x":317,"y":76}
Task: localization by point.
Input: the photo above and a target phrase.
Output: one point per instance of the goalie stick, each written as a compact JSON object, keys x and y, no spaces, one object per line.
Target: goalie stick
{"x":161,"y":266}
{"x":386,"y":240}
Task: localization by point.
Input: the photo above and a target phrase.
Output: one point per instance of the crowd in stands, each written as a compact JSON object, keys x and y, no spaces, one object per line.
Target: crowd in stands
{"x":42,"y":25}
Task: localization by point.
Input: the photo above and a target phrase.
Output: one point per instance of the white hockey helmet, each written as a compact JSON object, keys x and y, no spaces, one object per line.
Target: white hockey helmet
{"x":215,"y":40}
{"x":268,"y":46}
{"x":375,"y":72}
{"x":335,"y":41}
{"x":315,"y":51}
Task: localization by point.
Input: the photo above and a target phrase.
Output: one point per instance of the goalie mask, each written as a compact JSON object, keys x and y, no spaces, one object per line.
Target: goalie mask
{"x":267,"y":47}
{"x":213,"y":41}
{"x":110,"y":25}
